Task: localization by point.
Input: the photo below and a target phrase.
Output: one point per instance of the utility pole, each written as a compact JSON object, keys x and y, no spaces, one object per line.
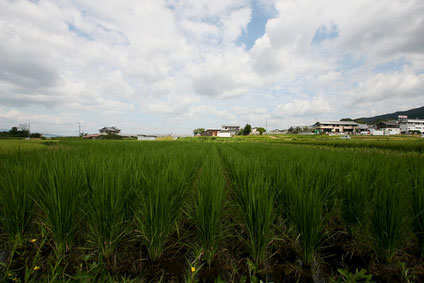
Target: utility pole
{"x":266,"y":125}
{"x":29,"y":130}
{"x":79,"y":129}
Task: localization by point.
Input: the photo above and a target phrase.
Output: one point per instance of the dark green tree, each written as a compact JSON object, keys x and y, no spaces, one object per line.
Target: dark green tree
{"x":247,"y":129}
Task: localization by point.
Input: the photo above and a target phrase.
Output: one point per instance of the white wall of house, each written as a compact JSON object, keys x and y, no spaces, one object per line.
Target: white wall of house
{"x":376,"y":132}
{"x":392,"y":131}
{"x":224,"y":135}
{"x":144,"y":138}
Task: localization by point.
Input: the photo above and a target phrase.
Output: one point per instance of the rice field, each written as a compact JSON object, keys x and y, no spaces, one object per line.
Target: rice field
{"x":207,"y":211}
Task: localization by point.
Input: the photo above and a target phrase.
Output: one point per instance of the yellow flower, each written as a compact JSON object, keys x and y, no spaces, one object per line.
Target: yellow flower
{"x":15,"y":279}
{"x":193,"y":269}
{"x":36,"y":267}
{"x":33,"y":240}
{"x":10,"y":274}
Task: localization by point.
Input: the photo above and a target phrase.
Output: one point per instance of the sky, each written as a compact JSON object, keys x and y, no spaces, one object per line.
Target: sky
{"x":170,"y":66}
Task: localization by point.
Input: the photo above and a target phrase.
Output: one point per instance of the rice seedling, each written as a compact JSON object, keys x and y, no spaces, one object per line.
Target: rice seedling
{"x":59,"y":199}
{"x":353,"y":196}
{"x":207,"y":211}
{"x":387,"y":218}
{"x":418,"y":207}
{"x":107,"y":209}
{"x":161,"y":200}
{"x":256,"y":198}
{"x":306,"y":213}
{"x":17,"y":205}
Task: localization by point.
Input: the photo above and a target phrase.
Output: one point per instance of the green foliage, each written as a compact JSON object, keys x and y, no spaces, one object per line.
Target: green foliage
{"x":207,"y":211}
{"x":353,"y":195}
{"x":306,"y":213}
{"x":387,"y":217}
{"x":255,"y":197}
{"x":107,"y":213}
{"x":417,"y":199}
{"x":247,"y":129}
{"x":60,"y":194}
{"x":17,"y":186}
{"x":90,"y":194}
{"x":161,"y":200}
{"x":358,"y":276}
{"x":261,"y":130}
{"x":198,"y":131}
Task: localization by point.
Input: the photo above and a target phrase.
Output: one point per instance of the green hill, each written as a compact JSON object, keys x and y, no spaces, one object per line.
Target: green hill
{"x":412,"y":113}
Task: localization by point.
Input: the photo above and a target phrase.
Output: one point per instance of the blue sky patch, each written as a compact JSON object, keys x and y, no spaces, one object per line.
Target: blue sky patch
{"x":79,"y":32}
{"x":391,"y":66}
{"x":256,"y":27}
{"x":325,"y":33}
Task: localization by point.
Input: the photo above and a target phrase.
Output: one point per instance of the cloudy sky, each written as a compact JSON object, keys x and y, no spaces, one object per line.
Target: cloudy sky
{"x":165,"y":66}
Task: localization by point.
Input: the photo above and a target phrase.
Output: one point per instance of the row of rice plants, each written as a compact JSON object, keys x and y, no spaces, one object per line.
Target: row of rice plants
{"x":207,"y":209}
{"x":368,"y":193}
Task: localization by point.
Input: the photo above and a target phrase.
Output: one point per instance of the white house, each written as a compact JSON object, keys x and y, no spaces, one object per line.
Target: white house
{"x":146,"y":137}
{"x":409,"y":125}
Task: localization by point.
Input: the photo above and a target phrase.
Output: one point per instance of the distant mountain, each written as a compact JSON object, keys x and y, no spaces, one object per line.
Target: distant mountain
{"x":412,"y":114}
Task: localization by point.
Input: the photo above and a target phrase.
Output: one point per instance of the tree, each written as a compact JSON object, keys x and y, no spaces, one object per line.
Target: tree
{"x":261,"y":130}
{"x":14,"y":130}
{"x":198,"y":131}
{"x":346,"y":119}
{"x":247,"y":129}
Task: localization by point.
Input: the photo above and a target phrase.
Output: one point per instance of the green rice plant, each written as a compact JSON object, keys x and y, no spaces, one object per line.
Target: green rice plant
{"x":417,"y":200}
{"x":256,"y":198}
{"x":17,"y":205}
{"x":353,"y":197}
{"x":107,"y":213}
{"x":59,"y":198}
{"x":161,"y":200}
{"x":387,"y":218}
{"x":306,"y":213}
{"x":207,"y":211}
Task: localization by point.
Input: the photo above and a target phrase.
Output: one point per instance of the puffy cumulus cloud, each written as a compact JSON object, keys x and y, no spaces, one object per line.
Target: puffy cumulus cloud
{"x":185,"y":59}
{"x":302,"y":107}
{"x":398,"y":87}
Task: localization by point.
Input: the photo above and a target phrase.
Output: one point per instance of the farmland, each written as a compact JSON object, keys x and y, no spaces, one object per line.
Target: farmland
{"x":275,"y":209}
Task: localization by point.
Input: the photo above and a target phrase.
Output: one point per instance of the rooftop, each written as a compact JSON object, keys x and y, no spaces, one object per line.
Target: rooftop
{"x":346,"y":123}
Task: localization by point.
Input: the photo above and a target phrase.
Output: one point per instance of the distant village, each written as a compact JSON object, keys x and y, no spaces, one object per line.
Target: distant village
{"x":115,"y":133}
{"x":403,"y":125}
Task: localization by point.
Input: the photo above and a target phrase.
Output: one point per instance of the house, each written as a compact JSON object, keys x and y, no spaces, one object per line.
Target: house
{"x":410,"y":125}
{"x":224,"y":132}
{"x":211,"y":132}
{"x":109,"y":130}
{"x":233,"y":130}
{"x":278,"y":131}
{"x":389,"y":127}
{"x":349,"y":127}
{"x":364,"y":129}
{"x":146,"y":137}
